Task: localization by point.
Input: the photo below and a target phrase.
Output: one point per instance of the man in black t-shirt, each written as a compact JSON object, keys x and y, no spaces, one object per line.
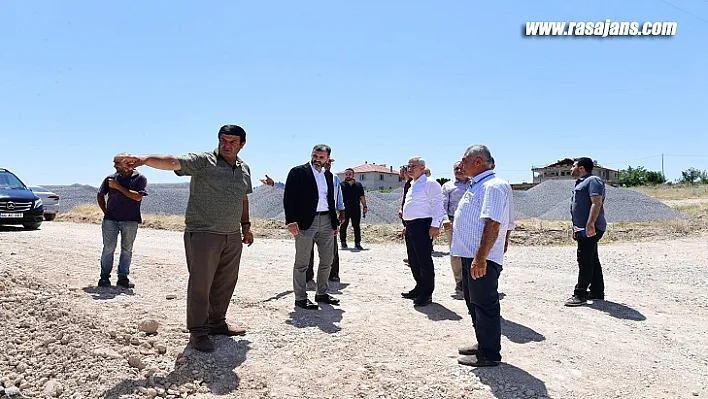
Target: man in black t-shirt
{"x":353,"y":194}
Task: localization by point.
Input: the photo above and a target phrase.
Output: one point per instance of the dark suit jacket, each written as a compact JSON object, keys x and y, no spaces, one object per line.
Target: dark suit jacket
{"x":301,"y":197}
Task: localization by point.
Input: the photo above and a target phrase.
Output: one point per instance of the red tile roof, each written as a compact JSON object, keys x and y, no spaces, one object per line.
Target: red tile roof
{"x":373,"y":168}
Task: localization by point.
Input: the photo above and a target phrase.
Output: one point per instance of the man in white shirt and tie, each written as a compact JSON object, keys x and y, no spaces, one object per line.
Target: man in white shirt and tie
{"x":423,"y":214}
{"x":483,"y":221}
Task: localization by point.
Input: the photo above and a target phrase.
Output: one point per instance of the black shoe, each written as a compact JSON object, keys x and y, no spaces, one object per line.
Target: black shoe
{"x":423,"y":300}
{"x":575,"y":301}
{"x":410,"y":294}
{"x":334,"y":279}
{"x":123,"y":282}
{"x":477,"y":361}
{"x":359,"y":247}
{"x":201,"y":343}
{"x":306,"y":304}
{"x":104,"y":282}
{"x":344,"y":245}
{"x":468,"y":350}
{"x":326,"y":298}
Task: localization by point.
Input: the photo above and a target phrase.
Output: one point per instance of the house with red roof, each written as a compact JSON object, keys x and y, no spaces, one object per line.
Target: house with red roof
{"x":375,"y":177}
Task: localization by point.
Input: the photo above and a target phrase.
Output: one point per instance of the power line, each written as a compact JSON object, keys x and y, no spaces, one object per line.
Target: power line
{"x":684,"y":11}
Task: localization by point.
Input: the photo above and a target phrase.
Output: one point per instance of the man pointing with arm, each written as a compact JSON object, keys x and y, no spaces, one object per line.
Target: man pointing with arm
{"x":217,"y":225}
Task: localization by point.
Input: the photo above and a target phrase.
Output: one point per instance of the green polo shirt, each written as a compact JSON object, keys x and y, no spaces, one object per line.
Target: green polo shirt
{"x":216,"y":192}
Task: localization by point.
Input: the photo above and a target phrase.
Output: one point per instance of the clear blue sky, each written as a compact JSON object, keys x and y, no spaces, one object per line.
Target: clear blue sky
{"x":379,"y":81}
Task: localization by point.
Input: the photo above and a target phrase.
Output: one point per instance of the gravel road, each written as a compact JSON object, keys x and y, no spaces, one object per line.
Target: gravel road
{"x":63,"y":337}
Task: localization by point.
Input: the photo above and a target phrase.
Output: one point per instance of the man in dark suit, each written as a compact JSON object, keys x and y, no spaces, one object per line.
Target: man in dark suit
{"x":311,"y":216}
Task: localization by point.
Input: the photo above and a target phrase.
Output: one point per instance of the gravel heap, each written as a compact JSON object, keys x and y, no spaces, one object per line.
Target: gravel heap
{"x":549,"y":200}
{"x":51,"y":350}
{"x":73,"y":195}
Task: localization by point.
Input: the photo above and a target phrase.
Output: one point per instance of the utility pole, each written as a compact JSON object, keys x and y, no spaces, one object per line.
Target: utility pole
{"x":662,"y":167}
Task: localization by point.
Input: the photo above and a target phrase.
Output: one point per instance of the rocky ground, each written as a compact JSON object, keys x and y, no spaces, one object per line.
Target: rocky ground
{"x":63,"y":337}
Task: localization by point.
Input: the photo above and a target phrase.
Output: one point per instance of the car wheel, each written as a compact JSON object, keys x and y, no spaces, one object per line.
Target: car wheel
{"x":32,"y":226}
{"x":49,"y":216}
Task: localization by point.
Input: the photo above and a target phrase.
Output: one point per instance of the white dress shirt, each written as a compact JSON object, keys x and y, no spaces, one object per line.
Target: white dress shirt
{"x":424,"y":200}
{"x":489,"y":198}
{"x":322,"y":204}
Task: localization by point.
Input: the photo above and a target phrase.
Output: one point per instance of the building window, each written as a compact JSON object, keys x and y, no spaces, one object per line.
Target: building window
{"x":381,"y":178}
{"x":399,"y":179}
{"x":381,"y":187}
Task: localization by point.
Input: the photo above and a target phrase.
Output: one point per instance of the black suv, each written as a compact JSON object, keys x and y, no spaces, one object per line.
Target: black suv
{"x":18,"y":204}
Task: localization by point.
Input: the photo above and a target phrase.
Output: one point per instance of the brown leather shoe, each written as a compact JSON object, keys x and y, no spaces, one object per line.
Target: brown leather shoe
{"x":201,"y":343}
{"x":227,"y":330}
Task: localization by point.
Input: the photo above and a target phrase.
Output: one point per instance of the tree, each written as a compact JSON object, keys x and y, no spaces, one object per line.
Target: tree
{"x":693,"y":175}
{"x":639,"y":176}
{"x":655,"y":178}
{"x":442,"y":180}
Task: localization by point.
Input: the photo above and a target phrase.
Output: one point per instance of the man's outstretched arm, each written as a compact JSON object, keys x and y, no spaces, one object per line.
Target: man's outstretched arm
{"x":162,"y":162}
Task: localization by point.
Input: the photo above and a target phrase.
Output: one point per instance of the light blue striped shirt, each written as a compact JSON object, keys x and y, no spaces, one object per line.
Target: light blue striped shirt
{"x":338,"y":199}
{"x":489,"y":198}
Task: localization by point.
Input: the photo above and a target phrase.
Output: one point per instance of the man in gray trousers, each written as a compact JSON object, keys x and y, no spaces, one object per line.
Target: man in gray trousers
{"x":311,"y":216}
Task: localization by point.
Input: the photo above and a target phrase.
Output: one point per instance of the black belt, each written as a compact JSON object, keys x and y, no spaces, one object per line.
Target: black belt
{"x":323,"y":213}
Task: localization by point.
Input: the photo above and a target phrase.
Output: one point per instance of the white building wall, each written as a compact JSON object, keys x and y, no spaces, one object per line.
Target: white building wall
{"x":376,"y":181}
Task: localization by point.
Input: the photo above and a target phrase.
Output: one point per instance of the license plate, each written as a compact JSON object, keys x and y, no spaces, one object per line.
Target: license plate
{"x":11,"y":215}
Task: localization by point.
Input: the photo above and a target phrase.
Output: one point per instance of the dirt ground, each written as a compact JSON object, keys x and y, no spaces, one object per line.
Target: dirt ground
{"x":63,"y":337}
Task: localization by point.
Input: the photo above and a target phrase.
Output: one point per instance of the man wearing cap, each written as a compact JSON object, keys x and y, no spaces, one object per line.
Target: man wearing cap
{"x":311,"y":216}
{"x":217,"y":225}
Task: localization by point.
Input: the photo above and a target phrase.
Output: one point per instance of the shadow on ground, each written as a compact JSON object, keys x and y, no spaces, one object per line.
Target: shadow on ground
{"x":105,"y":293}
{"x":617,"y":310}
{"x":507,"y":381}
{"x":438,"y":312}
{"x":13,"y":229}
{"x":324,"y":318}
{"x":215,"y":369}
{"x":278,"y":296}
{"x":520,"y":334}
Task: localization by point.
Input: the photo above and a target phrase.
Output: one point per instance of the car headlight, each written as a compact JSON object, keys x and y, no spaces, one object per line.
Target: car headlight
{"x":37,"y":203}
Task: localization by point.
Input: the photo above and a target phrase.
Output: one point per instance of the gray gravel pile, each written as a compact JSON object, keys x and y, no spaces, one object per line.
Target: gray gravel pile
{"x":550,"y":200}
{"x":167,"y":199}
{"x":73,"y":195}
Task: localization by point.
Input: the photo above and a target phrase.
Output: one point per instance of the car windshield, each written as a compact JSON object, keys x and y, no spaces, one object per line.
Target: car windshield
{"x":9,"y":181}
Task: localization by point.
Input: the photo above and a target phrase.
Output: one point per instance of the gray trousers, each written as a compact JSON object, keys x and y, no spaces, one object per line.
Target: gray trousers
{"x":322,"y":234}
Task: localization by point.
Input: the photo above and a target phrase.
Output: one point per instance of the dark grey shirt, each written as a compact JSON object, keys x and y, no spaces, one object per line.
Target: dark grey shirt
{"x":216,"y":192}
{"x":585,"y":187}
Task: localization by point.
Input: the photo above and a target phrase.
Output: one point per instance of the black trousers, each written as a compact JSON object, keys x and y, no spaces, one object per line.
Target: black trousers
{"x":334,"y":271}
{"x":355,"y":217}
{"x":590,"y":269}
{"x":482,"y":299}
{"x":420,"y":255}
